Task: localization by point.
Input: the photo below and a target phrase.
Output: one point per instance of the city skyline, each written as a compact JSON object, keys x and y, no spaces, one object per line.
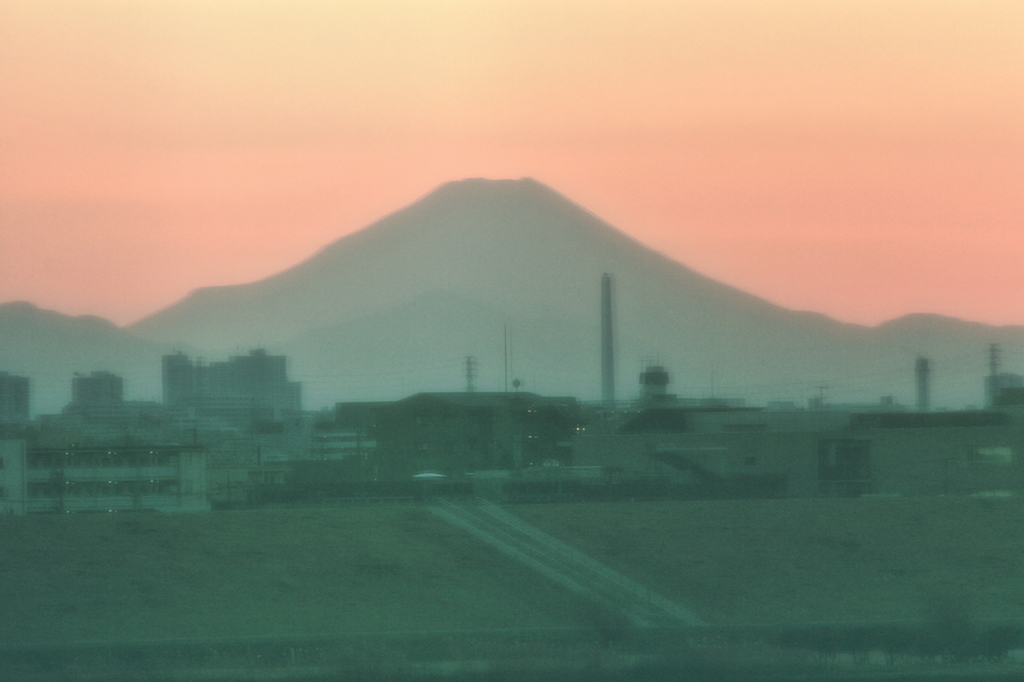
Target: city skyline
{"x":857,"y":159}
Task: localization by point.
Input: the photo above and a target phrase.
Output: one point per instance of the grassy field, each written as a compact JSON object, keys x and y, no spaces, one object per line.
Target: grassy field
{"x":793,"y":561}
{"x":323,"y":571}
{"x":258,"y":573}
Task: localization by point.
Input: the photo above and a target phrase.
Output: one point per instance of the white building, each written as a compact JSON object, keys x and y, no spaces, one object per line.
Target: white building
{"x":114,"y":478}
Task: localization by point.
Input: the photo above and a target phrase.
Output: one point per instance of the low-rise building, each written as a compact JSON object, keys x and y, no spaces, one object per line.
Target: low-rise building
{"x":819,"y":453}
{"x":457,"y":433}
{"x":108,"y":478}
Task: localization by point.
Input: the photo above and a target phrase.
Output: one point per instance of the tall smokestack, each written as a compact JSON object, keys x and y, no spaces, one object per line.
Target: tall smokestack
{"x":607,"y":349}
{"x":923,"y":371}
{"x":992,"y":381}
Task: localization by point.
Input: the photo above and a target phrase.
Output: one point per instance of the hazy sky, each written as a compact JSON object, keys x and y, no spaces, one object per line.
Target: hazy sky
{"x":863,"y":159}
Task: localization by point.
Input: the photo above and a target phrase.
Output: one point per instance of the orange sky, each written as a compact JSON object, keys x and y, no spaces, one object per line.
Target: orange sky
{"x":863,"y":159}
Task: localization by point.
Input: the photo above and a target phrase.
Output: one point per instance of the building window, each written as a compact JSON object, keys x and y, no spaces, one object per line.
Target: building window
{"x":42,"y":489}
{"x":46,"y":461}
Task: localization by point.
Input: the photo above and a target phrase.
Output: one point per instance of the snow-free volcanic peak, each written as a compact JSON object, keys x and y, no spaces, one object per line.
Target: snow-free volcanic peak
{"x":512,"y":244}
{"x":395,"y":307}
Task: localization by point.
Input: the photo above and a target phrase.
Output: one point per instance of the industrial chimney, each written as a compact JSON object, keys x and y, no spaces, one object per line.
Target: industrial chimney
{"x":923,"y":371}
{"x":607,"y":349}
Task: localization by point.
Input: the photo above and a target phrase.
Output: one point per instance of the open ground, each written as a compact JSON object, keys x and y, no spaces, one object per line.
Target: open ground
{"x":316,"y":571}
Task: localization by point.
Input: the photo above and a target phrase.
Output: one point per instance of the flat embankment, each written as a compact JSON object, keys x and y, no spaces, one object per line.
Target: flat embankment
{"x":807,"y":561}
{"x":301,"y":572}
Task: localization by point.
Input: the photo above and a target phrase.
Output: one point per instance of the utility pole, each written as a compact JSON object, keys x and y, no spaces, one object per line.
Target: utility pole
{"x":821,"y":396}
{"x":470,"y":373}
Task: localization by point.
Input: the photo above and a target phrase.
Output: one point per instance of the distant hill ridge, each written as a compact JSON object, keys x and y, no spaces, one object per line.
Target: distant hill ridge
{"x":49,"y":347}
{"x":394,"y":308}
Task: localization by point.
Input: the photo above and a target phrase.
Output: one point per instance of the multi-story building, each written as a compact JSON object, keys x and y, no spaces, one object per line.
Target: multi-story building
{"x":99,"y":388}
{"x":13,"y":398}
{"x":245,"y":390}
{"x":457,"y":433}
{"x":98,"y":413}
{"x":12,"y":477}
{"x":996,"y":384}
{"x":112,"y":478}
{"x":350,"y":433}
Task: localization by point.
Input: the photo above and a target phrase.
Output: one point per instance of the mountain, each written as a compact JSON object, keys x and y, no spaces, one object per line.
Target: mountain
{"x":396,"y":307}
{"x":49,"y":348}
{"x":516,"y":245}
